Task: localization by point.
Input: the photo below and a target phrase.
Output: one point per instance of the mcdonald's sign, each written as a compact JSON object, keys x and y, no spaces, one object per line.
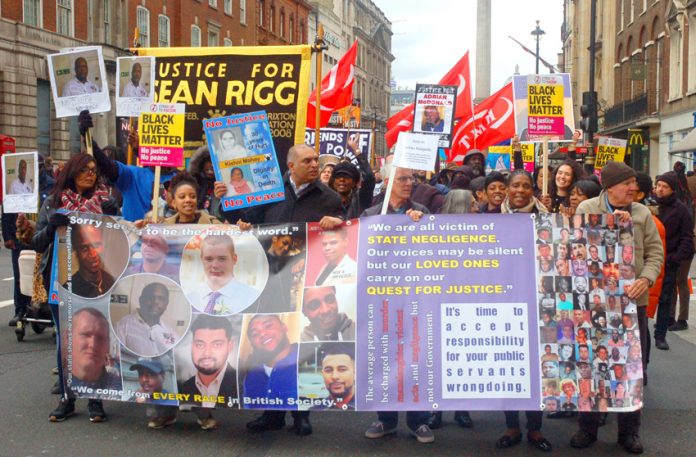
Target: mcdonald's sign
{"x":635,"y":137}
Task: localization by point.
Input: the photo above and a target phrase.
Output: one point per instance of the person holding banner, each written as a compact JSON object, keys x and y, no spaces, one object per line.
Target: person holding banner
{"x":77,"y":188}
{"x":521,"y":199}
{"x":306,"y":200}
{"x":617,"y":197}
{"x":201,"y":167}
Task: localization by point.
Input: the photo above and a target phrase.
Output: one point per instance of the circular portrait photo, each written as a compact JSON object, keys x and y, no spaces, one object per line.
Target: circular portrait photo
{"x":99,"y":251}
{"x":149,"y":314}
{"x":223,"y":274}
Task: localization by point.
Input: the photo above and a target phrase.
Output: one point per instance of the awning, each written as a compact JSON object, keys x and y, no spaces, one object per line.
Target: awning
{"x":687,"y":144}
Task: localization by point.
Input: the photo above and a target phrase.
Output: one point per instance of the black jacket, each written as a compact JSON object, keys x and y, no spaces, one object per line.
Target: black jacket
{"x":679,"y":230}
{"x":313,"y":203}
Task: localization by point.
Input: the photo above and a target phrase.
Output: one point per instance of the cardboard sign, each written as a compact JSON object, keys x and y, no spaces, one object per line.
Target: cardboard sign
{"x":162,"y":134}
{"x":416,"y":151}
{"x":78,"y":81}
{"x":609,"y":149}
{"x":543,"y":107}
{"x":135,"y":84}
{"x":434,"y":111}
{"x":20,"y":172}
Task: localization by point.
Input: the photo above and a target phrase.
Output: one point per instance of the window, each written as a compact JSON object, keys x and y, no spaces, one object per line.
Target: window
{"x":271,"y":19}
{"x":143,"y":23}
{"x":64,"y":17}
{"x":212,"y":3}
{"x":195,"y":36}
{"x":291,"y":28}
{"x":675,"y":60}
{"x":107,"y":21}
{"x":32,"y":13}
{"x":228,"y":7}
{"x":163,"y":29}
{"x":242,"y":11}
{"x":262,"y":12}
{"x":302,"y":31}
{"x":227,"y":42}
{"x":281,"y":25}
{"x":692,"y":54}
{"x":213,"y":37}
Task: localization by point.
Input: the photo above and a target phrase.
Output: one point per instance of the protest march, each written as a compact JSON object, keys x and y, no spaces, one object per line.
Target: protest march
{"x":244,"y":254}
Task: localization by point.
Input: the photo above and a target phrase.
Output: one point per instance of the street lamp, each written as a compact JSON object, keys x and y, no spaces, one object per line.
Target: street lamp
{"x":537,"y":32}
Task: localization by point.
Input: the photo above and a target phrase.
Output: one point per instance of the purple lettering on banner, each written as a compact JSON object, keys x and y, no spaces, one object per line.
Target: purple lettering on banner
{"x":447,"y":316}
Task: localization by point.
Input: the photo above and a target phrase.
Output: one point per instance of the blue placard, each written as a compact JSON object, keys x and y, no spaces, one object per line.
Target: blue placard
{"x":244,"y":158}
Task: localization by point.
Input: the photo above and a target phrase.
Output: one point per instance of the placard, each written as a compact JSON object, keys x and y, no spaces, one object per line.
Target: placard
{"x":417,"y":151}
{"x":20,"y":172}
{"x":609,"y":149}
{"x":135,"y":84}
{"x":543,"y":107}
{"x":161,"y":130}
{"x":434,"y":111}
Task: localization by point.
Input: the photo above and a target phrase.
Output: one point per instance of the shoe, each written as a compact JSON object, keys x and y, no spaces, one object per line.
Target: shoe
{"x":54,"y":371}
{"x":265,"y":423}
{"x":209,"y":423}
{"x":96,"y":411}
{"x":55,"y":390}
{"x":423,"y":434}
{"x":661,"y":344}
{"x":65,"y":409}
{"x":582,"y":439}
{"x":15,"y":319}
{"x":678,"y":326}
{"x":161,"y":422}
{"x":540,"y":443}
{"x":435,"y":420}
{"x":463,"y":419}
{"x":507,"y":441}
{"x":302,"y":426}
{"x":631,"y":442}
{"x":377,"y":430}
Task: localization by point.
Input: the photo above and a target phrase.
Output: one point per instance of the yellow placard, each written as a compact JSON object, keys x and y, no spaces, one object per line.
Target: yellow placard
{"x":609,"y":149}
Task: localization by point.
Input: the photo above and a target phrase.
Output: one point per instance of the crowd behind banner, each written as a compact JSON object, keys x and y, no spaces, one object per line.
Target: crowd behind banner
{"x":430,"y":342}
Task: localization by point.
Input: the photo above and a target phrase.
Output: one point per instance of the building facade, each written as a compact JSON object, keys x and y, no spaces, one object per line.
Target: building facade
{"x":646,"y":73}
{"x":32,"y":29}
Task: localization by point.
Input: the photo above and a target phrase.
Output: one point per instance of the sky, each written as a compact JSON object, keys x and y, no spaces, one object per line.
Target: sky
{"x":431,"y":36}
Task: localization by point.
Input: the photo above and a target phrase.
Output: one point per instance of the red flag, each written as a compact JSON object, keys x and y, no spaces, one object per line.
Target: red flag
{"x":493,"y":121}
{"x":336,"y":89}
{"x":457,"y":76}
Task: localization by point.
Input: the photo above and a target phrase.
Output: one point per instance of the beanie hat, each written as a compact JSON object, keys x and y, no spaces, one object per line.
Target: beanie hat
{"x":346,"y":169}
{"x":645,"y":183}
{"x":669,"y":178}
{"x":614,"y":173}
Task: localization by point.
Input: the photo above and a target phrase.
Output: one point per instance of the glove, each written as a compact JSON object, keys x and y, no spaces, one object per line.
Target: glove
{"x":58,"y":220}
{"x":84,"y":121}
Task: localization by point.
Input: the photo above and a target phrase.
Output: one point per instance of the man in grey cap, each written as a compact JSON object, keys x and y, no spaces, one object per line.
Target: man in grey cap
{"x":619,"y":188}
{"x":476,"y":160}
{"x":161,"y":412}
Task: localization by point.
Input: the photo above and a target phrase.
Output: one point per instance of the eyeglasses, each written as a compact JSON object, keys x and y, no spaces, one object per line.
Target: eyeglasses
{"x":313,"y":305}
{"x":88,"y":170}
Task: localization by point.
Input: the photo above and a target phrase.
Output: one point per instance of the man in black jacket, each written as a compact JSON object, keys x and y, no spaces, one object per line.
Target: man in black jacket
{"x":679,"y":225}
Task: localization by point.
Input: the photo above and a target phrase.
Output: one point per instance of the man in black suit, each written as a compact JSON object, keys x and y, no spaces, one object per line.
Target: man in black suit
{"x":215,"y":381}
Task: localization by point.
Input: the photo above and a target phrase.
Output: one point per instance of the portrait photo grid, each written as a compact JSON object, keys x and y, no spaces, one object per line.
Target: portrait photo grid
{"x":588,"y":328}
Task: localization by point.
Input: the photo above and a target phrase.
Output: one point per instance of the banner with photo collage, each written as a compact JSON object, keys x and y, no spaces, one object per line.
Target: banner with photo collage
{"x":268,"y":318}
{"x":588,"y":328}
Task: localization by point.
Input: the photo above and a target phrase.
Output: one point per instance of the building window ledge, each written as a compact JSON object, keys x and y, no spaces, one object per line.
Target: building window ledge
{"x":674,"y":99}
{"x":691,"y":92}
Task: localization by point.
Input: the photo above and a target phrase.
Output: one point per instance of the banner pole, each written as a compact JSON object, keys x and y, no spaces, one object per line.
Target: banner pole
{"x":88,"y":141}
{"x":155,"y":194}
{"x":130,"y":147}
{"x":319,"y":47}
{"x":545,"y":165}
{"x":387,"y":195}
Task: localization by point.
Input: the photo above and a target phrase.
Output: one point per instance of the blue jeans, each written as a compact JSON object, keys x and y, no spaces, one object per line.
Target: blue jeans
{"x":669,"y":290}
{"x":414,"y":419}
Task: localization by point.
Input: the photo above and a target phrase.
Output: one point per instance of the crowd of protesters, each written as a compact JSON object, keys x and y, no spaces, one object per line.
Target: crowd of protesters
{"x":330,"y":191}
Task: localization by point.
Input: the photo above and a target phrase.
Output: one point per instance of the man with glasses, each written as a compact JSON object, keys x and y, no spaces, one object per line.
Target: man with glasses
{"x":320,"y":306}
{"x":91,"y":279}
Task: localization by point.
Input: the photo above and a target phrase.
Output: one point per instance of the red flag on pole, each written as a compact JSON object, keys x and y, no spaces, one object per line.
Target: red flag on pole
{"x":457,"y":76}
{"x":493,"y":121}
{"x":336,"y":89}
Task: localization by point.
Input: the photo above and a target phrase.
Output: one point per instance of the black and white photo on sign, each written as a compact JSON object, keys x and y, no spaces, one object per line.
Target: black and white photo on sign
{"x":134,"y":84}
{"x":78,"y":81}
{"x":20,"y":178}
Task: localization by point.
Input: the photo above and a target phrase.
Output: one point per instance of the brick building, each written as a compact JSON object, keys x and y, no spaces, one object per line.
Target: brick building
{"x":31,"y":29}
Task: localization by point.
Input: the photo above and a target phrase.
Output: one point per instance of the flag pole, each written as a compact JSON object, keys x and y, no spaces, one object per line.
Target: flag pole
{"x":319,"y":47}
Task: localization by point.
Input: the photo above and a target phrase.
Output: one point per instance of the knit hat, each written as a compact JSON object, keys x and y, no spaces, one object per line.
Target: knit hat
{"x":669,"y":178}
{"x":614,"y":173}
{"x":346,"y":169}
{"x":645,"y":183}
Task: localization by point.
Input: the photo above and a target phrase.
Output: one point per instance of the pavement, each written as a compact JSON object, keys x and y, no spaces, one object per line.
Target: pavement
{"x":669,"y":416}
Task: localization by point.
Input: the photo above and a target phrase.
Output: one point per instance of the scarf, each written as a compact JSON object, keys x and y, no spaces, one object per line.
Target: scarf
{"x":534,"y":206}
{"x":72,"y":201}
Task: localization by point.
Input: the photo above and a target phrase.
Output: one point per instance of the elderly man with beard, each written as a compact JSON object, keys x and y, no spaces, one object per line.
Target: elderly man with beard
{"x":215,"y":381}
{"x":143,"y":332}
{"x":617,"y":197}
